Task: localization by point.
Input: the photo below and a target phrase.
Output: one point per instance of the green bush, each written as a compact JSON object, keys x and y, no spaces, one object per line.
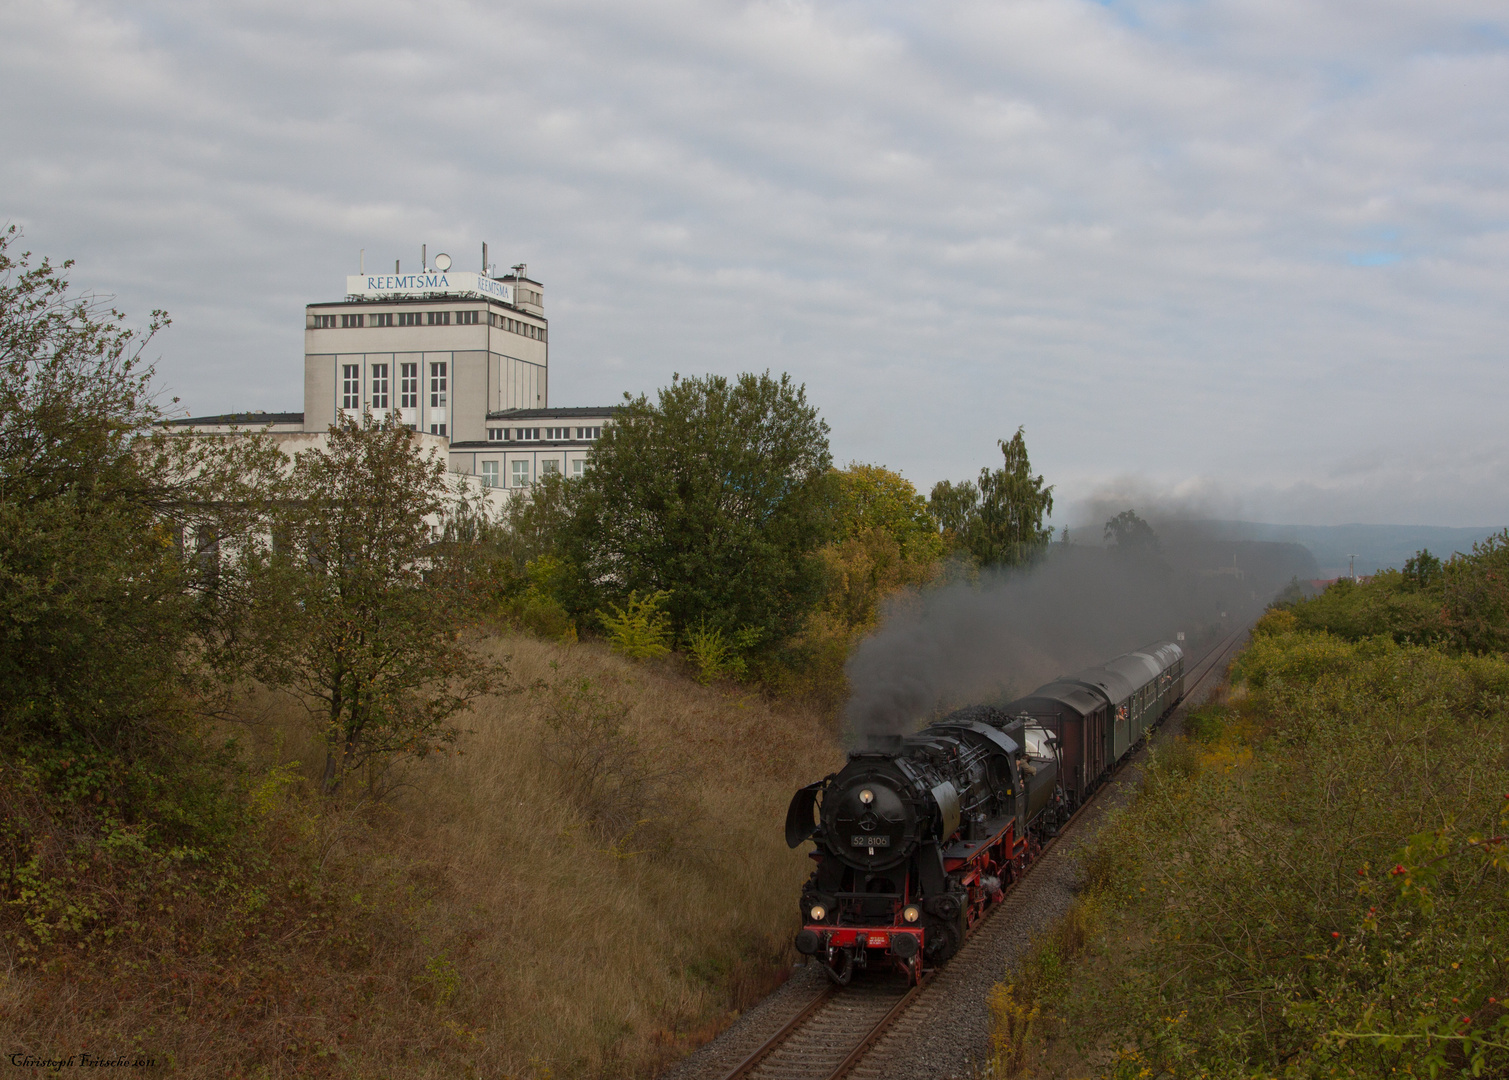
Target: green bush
{"x":1390,"y":603}
{"x":538,"y":605}
{"x":1207,"y":723}
{"x":1475,"y":589}
{"x":640,"y":629}
{"x":1330,"y":899}
{"x":1462,"y":604}
{"x":716,"y":655}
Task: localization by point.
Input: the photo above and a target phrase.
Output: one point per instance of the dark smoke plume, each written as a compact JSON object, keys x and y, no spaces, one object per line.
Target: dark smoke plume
{"x":1012,"y":631}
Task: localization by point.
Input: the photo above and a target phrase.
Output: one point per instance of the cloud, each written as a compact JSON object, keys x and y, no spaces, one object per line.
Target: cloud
{"x":1235,"y":245}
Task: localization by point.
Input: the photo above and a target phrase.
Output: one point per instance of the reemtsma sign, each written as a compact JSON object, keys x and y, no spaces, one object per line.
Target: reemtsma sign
{"x":449,"y":282}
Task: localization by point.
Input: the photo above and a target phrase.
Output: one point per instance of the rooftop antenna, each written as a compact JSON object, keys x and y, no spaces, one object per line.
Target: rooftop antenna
{"x":424,"y":257}
{"x":484,"y":258}
{"x":395,"y":266}
{"x":361,"y":262}
{"x":520,"y":269}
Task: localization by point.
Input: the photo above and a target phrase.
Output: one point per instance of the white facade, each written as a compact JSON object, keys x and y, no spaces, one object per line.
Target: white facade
{"x":445,"y":353}
{"x":463,"y":357}
{"x":523,"y":445}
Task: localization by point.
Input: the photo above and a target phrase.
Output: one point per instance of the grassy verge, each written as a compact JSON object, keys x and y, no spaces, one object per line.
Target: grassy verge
{"x":1312,"y":884}
{"x":589,"y":888}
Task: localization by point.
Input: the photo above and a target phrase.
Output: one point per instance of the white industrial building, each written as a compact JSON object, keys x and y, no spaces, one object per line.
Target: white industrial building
{"x":462,"y":356}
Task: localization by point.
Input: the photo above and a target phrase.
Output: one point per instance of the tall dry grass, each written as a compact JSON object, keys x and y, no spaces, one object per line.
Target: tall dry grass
{"x":541,"y":938}
{"x":495,"y":913}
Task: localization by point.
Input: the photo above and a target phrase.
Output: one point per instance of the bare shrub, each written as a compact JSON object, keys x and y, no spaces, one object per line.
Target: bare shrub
{"x":610,"y":775}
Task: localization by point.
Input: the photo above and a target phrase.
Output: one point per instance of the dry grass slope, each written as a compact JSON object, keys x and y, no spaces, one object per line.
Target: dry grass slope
{"x":496,"y":914}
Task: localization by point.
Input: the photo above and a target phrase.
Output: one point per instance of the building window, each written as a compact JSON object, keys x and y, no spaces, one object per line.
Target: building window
{"x":349,"y":321}
{"x":550,"y":468}
{"x":494,"y":434}
{"x":408,"y":389}
{"x":520,"y":474}
{"x":525,"y":434}
{"x":351,"y":386}
{"x":437,"y":386}
{"x":380,"y":386}
{"x":467,"y":318}
{"x":324,"y":322}
{"x":411,"y":318}
{"x":557,"y":433}
{"x":588,"y":432}
{"x":439,"y":318}
{"x":382,"y":319}
{"x":489,"y":474}
{"x":437,"y":429}
{"x":578,"y":467}
{"x":529,"y":330}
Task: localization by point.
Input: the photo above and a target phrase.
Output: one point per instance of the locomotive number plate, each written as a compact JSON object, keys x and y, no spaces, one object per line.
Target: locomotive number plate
{"x":870,"y":841}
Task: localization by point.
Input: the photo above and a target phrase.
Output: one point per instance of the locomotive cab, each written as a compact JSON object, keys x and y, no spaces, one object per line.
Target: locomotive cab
{"x":1039,"y":767}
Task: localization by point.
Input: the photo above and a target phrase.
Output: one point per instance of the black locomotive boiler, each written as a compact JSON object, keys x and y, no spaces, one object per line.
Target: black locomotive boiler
{"x":918,"y":835}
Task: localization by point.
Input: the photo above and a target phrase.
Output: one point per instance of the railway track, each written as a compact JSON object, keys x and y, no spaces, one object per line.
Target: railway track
{"x":829,"y":1035}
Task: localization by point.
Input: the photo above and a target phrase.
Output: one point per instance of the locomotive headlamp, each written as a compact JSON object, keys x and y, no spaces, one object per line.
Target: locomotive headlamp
{"x":867,"y":796}
{"x":910,"y":913}
{"x":818,"y":912}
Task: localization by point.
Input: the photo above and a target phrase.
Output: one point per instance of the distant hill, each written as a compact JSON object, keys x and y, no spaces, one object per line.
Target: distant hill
{"x":1376,"y":546}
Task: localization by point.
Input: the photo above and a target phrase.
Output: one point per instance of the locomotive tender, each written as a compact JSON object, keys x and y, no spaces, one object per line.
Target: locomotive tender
{"x":918,"y":835}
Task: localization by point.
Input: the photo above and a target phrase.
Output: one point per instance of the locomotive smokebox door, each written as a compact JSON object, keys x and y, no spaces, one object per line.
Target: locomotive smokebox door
{"x":801,"y":815}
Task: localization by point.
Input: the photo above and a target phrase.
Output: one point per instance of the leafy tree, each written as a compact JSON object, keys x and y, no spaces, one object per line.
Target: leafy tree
{"x":1423,"y":570}
{"x":1129,"y":533}
{"x":887,"y":540}
{"x":955,"y":507}
{"x":1477,"y":596}
{"x":717,"y":494}
{"x":105,"y":614}
{"x":1013,"y":505}
{"x":540,"y":520}
{"x":998,"y":519}
{"x":873,"y":497}
{"x":362,"y":609}
{"x":534,"y":556}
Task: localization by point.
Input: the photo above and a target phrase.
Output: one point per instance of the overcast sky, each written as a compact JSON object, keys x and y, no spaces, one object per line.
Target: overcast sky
{"x":1247,"y":255}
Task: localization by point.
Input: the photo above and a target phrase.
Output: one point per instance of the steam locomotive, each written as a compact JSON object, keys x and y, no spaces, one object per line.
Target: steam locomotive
{"x":918,"y":835}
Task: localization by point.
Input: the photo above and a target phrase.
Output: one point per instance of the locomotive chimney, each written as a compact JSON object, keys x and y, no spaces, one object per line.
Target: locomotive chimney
{"x":879,"y":744}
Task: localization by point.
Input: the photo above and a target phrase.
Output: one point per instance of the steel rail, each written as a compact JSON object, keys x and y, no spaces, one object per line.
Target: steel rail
{"x":751,"y":1062}
{"x":880,"y":1029}
{"x":761,"y":1052}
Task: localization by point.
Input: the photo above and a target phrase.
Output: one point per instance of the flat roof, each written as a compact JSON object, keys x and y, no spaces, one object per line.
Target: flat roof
{"x":449,"y":299}
{"x":243,"y":418}
{"x":552,"y":414}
